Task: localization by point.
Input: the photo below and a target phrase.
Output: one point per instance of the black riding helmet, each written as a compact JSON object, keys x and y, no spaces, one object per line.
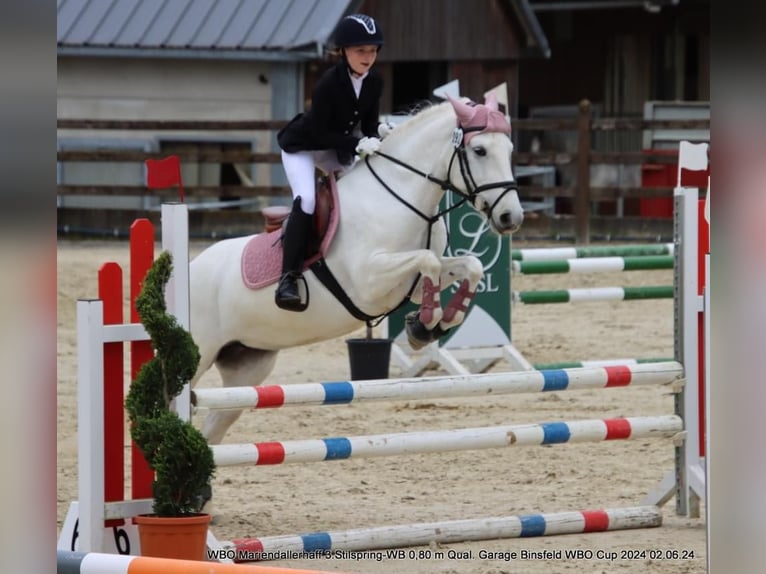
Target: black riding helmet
{"x":358,"y":30}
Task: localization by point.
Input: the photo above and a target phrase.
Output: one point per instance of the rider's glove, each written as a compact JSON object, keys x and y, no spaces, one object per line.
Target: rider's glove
{"x":367,"y":146}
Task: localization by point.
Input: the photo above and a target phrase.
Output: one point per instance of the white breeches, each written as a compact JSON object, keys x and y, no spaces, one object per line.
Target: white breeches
{"x":299,"y":168}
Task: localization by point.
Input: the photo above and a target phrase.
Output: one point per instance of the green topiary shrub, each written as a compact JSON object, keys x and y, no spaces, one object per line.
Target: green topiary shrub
{"x":175,"y":449}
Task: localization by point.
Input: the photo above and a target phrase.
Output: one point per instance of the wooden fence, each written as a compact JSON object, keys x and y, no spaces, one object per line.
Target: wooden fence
{"x":580,"y":192}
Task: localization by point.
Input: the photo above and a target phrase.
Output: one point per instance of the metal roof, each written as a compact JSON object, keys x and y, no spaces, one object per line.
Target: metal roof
{"x":203,"y":28}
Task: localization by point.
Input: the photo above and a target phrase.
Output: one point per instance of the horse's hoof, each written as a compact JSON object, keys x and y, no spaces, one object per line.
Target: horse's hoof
{"x":217,"y":517}
{"x":205,"y":497}
{"x":415,"y":343}
{"x":205,"y":505}
{"x":418,"y":336}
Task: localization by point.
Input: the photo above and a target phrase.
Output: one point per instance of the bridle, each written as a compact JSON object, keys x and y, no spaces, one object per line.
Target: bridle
{"x":471,"y":192}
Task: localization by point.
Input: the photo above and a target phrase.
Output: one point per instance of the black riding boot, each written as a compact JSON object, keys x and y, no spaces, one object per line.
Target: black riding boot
{"x":293,"y":247}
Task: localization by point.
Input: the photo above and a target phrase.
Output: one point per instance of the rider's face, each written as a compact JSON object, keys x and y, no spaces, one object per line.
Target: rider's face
{"x":361,"y":58}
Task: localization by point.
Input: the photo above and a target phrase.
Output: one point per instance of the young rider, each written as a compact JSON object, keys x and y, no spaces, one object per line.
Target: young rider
{"x":342,"y":121}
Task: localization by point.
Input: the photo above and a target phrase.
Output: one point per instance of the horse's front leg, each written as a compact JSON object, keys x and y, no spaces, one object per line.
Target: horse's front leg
{"x":395,"y":267}
{"x":468,"y":271}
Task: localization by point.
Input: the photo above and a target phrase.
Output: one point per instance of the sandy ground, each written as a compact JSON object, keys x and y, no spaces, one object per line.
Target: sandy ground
{"x":266,"y":501}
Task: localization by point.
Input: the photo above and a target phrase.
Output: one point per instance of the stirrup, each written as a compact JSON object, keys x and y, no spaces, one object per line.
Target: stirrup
{"x":292,"y":303}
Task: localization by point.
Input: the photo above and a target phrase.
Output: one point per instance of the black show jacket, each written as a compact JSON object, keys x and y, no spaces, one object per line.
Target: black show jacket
{"x":335,"y":111}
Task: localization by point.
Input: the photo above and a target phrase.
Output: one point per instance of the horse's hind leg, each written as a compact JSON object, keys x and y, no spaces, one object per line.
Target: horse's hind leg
{"x":239,"y":366}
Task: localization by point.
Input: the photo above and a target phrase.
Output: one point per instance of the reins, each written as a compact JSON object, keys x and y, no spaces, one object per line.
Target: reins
{"x":445,"y":185}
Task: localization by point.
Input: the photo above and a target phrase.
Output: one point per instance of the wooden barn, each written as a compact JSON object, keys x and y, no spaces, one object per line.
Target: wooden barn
{"x":643,"y":59}
{"x":429,"y":42}
{"x":619,"y":54}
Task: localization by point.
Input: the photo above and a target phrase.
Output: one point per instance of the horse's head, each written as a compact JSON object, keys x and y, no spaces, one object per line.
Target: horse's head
{"x":483,"y":150}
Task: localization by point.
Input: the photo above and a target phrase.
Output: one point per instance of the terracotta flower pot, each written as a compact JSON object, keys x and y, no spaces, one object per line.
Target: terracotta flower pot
{"x":183,"y":538}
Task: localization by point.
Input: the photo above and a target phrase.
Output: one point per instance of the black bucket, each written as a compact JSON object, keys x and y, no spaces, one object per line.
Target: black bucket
{"x":369,"y":358}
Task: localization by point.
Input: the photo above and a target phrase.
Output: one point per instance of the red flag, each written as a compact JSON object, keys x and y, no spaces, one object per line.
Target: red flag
{"x":163,"y":173}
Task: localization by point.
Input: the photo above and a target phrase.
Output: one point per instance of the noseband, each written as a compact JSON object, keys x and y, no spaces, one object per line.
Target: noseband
{"x":472,"y":190}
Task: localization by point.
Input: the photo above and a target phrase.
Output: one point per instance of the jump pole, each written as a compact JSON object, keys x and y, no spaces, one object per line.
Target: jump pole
{"x":438,"y":387}
{"x":600,"y":363}
{"x":581,"y":295}
{"x":423,"y":534}
{"x":593,"y":265}
{"x":557,"y":253}
{"x":395,"y":444}
{"x":99,"y":563}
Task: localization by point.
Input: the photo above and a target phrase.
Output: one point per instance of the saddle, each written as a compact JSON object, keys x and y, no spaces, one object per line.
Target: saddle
{"x":275,"y":216}
{"x":262,"y":255}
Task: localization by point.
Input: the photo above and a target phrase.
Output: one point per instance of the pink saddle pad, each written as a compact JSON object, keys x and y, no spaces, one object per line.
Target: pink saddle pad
{"x":262,"y":255}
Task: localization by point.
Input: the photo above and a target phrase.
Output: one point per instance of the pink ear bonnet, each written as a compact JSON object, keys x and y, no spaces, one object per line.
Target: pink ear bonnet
{"x":480,"y":118}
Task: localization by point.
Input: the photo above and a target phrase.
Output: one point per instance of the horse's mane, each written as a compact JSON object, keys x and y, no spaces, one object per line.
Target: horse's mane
{"x":417,"y":107}
{"x":423,"y":109}
{"x":417,"y":113}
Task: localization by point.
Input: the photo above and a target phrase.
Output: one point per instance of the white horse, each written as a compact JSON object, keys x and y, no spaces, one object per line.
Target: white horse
{"x":389,"y":245}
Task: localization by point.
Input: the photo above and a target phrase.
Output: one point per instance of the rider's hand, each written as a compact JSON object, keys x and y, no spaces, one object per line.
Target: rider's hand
{"x":367,"y":146}
{"x":384,"y":129}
